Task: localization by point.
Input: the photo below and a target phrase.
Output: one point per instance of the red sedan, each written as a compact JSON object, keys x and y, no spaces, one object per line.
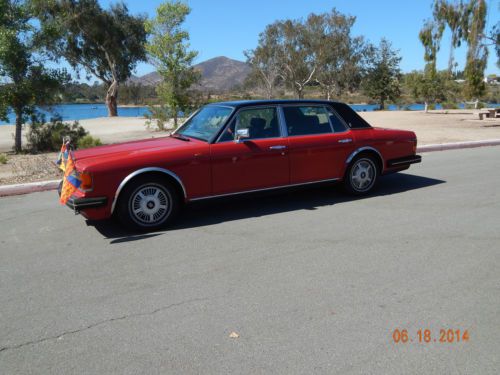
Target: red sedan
{"x":233,"y":148}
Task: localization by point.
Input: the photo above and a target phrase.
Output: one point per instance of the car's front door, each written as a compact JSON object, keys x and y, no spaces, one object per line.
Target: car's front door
{"x":258,"y":161}
{"x":319,"y":143}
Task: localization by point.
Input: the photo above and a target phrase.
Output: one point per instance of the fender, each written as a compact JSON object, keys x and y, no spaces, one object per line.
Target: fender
{"x":365,"y":148}
{"x":141,"y":171}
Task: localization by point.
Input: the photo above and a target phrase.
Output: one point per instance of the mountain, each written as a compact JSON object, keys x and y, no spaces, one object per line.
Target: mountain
{"x":217,"y":74}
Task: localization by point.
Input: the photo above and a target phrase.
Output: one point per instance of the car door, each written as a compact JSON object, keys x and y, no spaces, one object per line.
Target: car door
{"x":319,"y":143}
{"x":257,"y":162}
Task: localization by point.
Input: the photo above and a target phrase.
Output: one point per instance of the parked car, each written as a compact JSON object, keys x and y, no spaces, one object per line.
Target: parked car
{"x":234,"y":148}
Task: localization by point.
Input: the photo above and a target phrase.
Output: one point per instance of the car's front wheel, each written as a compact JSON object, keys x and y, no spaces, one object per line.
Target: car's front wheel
{"x":148,"y":203}
{"x":361,"y":176}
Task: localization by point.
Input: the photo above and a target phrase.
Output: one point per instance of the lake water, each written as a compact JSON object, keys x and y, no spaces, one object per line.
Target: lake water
{"x":86,"y":111}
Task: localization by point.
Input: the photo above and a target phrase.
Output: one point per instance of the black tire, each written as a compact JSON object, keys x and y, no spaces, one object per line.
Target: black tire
{"x":362,"y":175}
{"x":148,"y":203}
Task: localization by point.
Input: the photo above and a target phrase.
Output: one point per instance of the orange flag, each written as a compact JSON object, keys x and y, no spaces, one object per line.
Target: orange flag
{"x":71,"y":180}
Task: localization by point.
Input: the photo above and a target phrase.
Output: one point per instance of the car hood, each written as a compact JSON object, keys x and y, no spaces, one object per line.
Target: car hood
{"x":134,"y":149}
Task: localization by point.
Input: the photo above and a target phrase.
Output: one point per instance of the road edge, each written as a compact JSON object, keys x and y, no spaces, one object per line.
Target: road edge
{"x":27,"y":188}
{"x":458,"y":145}
{"x":32,"y":187}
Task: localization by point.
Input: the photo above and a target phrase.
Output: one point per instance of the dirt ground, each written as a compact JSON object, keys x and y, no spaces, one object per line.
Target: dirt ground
{"x":431,"y":128}
{"x":438,"y":126}
{"x":29,"y":168}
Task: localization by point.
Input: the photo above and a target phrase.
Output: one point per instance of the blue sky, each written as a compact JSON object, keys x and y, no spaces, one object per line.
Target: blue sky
{"x":227,"y":28}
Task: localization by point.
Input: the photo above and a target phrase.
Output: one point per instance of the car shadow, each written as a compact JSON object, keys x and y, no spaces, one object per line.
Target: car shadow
{"x":220,"y":210}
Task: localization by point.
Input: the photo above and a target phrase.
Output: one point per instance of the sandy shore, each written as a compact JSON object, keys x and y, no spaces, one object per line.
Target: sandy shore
{"x":438,"y":126}
{"x":108,"y":129}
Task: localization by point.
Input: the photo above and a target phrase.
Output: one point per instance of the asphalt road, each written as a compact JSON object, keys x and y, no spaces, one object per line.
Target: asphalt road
{"x":312,"y":281}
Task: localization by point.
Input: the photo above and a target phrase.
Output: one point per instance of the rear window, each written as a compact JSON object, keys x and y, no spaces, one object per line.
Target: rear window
{"x":306,"y":120}
{"x":351,"y":118}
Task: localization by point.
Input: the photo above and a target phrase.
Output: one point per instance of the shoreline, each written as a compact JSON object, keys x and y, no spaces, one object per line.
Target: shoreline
{"x":400,"y":108}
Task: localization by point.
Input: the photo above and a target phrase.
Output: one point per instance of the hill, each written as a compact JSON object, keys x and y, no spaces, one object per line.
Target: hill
{"x":217,"y":74}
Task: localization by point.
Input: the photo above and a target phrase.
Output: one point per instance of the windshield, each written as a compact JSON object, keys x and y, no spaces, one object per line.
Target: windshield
{"x":205,"y":124}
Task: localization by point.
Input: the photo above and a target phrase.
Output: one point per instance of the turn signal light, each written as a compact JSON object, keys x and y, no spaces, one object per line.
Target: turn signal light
{"x":86,"y":179}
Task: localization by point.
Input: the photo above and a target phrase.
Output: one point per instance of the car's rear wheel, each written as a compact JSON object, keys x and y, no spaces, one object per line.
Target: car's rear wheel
{"x":361,"y":175}
{"x":148,"y":203}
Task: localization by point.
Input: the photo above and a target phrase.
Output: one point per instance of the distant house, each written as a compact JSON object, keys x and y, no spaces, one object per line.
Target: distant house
{"x":460,"y":81}
{"x":492,"y":80}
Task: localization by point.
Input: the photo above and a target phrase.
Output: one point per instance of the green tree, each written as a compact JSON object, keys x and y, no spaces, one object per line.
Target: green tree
{"x":477,"y":52}
{"x":26,"y":82}
{"x":493,"y":39}
{"x":167,"y":49}
{"x":340,"y":56}
{"x":382,"y":81}
{"x":431,"y":87}
{"x":265,"y":62}
{"x":296,"y":55}
{"x":105,"y":43}
{"x":428,"y":86}
{"x":466,"y":21}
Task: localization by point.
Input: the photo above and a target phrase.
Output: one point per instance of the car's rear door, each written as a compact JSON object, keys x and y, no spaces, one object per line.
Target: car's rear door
{"x":319,"y":143}
{"x":257,"y":162}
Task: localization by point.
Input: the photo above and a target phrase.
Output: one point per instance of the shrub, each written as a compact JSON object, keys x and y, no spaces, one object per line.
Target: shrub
{"x":449,"y":105}
{"x":3,"y":159}
{"x":473,"y":106}
{"x":48,"y":136}
{"x":159,"y":115}
{"x":88,"y":141}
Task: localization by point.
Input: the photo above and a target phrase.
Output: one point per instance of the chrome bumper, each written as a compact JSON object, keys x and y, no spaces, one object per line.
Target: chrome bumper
{"x":407,"y":160}
{"x":78,"y":204}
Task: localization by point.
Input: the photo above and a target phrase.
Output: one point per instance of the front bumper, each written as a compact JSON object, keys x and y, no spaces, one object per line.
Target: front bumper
{"x":78,"y":204}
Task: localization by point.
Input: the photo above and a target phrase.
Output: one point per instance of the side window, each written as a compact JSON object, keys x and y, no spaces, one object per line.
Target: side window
{"x":305,"y":120}
{"x":260,"y":122}
{"x":337,"y":124}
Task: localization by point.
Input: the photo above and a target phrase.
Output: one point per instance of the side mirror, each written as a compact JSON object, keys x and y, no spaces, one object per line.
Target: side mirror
{"x":242,"y":134}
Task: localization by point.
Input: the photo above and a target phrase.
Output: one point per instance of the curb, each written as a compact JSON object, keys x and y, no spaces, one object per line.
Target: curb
{"x":32,"y":187}
{"x":458,"y":145}
{"x":27,"y":188}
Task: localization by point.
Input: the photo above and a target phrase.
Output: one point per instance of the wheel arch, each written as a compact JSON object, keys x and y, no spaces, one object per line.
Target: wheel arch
{"x":367,"y":150}
{"x":165,"y":173}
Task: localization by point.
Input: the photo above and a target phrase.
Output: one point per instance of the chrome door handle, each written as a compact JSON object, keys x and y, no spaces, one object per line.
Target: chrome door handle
{"x":277,"y":147}
{"x":346,"y":140}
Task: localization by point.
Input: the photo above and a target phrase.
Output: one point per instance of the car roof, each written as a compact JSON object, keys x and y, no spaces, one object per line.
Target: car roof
{"x":349,"y":115}
{"x":246,"y":103}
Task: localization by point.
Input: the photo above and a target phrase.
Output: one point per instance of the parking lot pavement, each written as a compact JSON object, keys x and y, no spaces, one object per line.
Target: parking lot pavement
{"x":312,"y":281}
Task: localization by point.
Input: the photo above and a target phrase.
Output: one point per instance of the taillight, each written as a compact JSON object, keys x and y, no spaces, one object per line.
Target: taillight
{"x":414,"y":145}
{"x":86,"y":179}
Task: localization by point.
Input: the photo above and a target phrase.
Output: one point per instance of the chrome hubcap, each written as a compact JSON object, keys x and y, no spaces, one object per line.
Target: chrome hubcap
{"x":149,"y":205}
{"x":363,"y":175}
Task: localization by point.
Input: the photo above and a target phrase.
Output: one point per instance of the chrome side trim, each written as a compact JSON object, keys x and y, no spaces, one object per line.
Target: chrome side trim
{"x":141,"y":171}
{"x":264,"y":189}
{"x":366,"y":148}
